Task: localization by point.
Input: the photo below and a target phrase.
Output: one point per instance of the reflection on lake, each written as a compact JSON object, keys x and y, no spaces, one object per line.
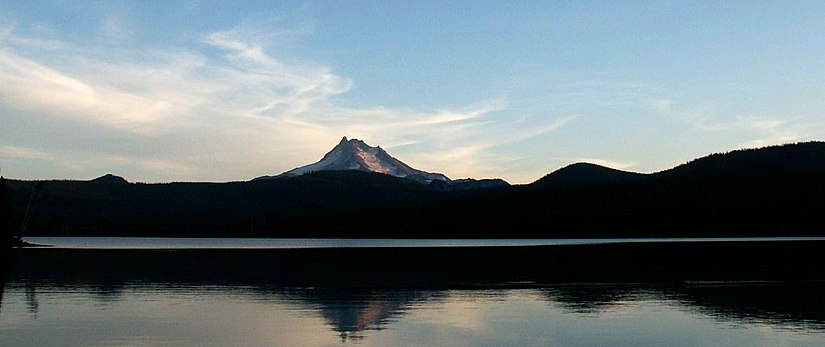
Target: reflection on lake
{"x":327,"y":297}
{"x":252,"y":243}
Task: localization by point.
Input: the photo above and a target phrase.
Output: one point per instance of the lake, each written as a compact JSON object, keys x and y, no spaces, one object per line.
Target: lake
{"x":650,"y":293}
{"x":253,"y":243}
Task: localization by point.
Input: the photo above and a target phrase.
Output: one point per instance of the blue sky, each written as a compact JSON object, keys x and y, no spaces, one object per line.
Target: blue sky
{"x":160,"y":91}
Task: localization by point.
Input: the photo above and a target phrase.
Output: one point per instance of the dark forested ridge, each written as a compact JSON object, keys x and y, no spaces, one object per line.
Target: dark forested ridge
{"x":773,"y":191}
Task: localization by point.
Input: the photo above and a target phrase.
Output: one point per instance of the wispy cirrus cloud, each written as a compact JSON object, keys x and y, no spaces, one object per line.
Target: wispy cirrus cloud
{"x":9,"y":37}
{"x":760,"y":130}
{"x":23,"y":153}
{"x":770,"y":132}
{"x":32,"y":86}
{"x":224,"y":108}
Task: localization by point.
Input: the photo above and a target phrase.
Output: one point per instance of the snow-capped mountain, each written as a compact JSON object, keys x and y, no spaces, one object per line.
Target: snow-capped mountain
{"x":356,"y":155}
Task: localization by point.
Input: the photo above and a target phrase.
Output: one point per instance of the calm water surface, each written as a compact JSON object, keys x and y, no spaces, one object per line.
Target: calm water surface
{"x":252,"y":243}
{"x":165,"y":314}
{"x":213,"y":297}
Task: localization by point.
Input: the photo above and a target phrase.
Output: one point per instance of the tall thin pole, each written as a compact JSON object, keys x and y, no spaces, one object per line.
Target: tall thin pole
{"x":38,"y":186}
{"x":6,"y":224}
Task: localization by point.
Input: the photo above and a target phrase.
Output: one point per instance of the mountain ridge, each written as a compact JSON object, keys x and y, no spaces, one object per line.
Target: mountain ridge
{"x":773,"y":191}
{"x":809,"y":155}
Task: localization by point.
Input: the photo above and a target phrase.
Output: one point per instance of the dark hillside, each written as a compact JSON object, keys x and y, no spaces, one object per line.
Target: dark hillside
{"x":771,"y":191}
{"x":284,"y":207}
{"x":774,"y":160}
{"x":584,"y":174}
{"x":774,"y":191}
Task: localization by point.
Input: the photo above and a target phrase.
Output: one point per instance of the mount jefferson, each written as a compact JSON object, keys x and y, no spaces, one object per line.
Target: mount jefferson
{"x":355,"y":154}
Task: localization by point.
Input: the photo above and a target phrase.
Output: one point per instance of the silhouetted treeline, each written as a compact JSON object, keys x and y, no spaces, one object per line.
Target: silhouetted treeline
{"x":7,"y":232}
{"x":774,"y":191}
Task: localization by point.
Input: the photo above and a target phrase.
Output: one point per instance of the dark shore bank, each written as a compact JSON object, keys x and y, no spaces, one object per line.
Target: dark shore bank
{"x":682,"y":262}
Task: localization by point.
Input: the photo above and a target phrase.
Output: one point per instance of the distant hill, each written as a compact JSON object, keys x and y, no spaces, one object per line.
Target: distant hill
{"x":800,"y":158}
{"x":580,"y":174}
{"x":110,"y":179}
{"x":783,"y":159}
{"x":769,"y":191}
{"x":773,"y":191}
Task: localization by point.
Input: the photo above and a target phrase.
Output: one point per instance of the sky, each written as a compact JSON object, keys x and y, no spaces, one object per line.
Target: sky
{"x":162,"y":91}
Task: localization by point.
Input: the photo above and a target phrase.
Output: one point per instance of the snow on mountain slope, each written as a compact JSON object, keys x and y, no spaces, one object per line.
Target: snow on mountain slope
{"x":356,"y":155}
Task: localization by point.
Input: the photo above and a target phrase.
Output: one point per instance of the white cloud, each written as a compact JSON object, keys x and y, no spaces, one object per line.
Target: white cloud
{"x":186,"y":111}
{"x":9,"y":38}
{"x":541,"y":130}
{"x":764,"y":124}
{"x":23,"y":153}
{"x":762,"y":131}
{"x":169,"y":168}
{"x":114,"y":27}
{"x":759,"y":130}
{"x":661,"y":105}
{"x":28,"y":85}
